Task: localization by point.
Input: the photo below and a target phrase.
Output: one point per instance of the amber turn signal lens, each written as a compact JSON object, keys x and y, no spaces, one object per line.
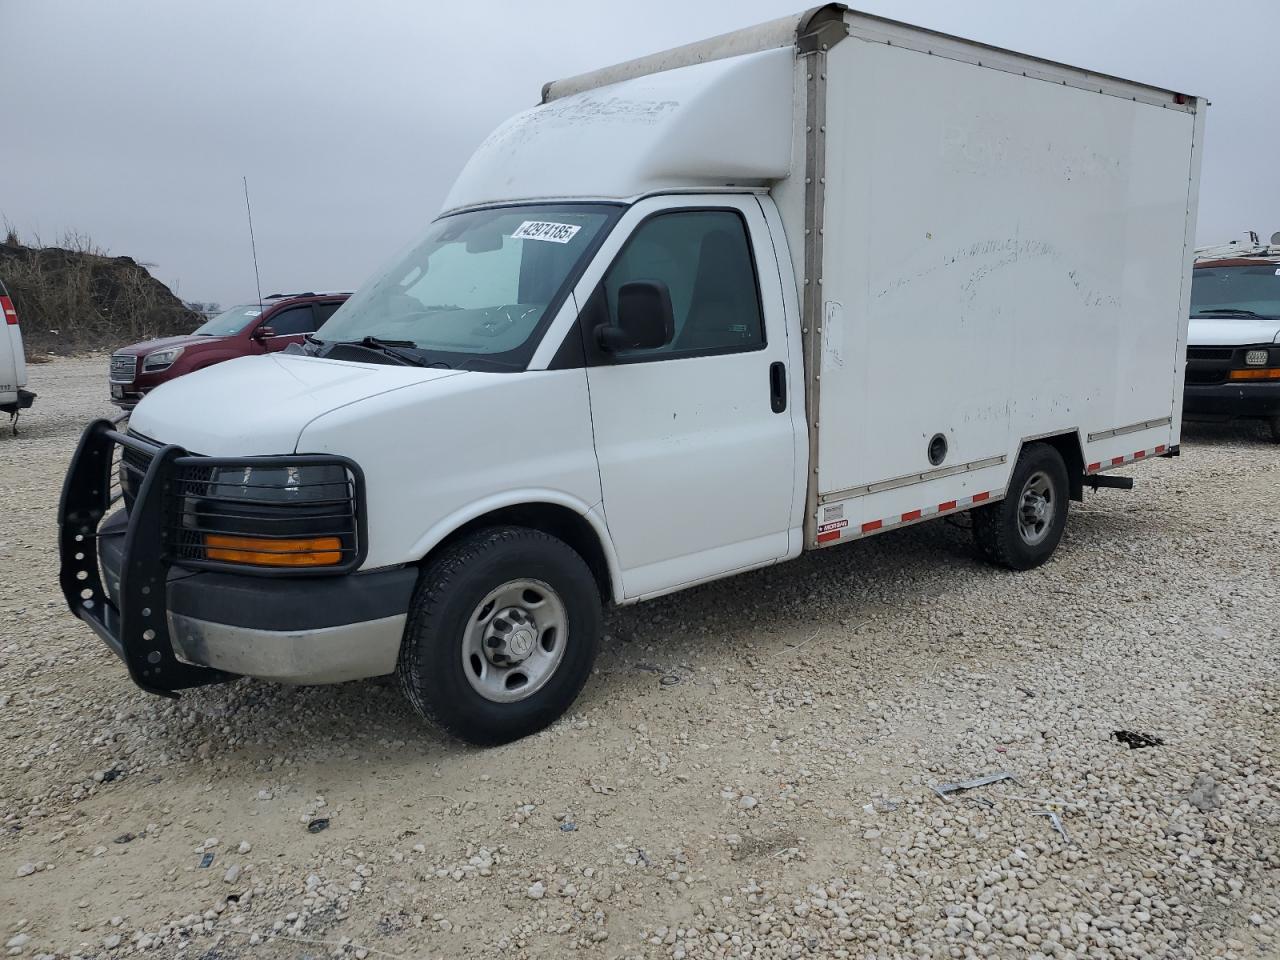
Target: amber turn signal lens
{"x":263,"y":552}
{"x":1266,"y":373}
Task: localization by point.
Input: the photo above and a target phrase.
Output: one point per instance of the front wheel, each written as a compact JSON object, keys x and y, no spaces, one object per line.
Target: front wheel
{"x":502,"y":633}
{"x":1022,"y":530}
{"x":1275,"y":429}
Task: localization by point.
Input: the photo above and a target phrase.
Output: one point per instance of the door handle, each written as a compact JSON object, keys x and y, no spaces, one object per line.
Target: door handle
{"x":778,"y":386}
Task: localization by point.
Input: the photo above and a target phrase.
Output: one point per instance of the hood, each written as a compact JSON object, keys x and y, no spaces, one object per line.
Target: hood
{"x":147,"y":346}
{"x":258,"y":406}
{"x":1231,"y":331}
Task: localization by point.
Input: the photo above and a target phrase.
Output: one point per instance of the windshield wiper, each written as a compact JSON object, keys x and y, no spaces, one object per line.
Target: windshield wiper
{"x":392,"y":348}
{"x":1231,"y":312}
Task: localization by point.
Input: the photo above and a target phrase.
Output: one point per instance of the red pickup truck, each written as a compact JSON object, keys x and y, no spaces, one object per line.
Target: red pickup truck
{"x":251,"y":328}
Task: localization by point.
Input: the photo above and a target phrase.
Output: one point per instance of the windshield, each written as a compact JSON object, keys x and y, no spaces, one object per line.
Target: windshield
{"x":478,"y":285}
{"x":230,"y":322}
{"x":1251,"y":289}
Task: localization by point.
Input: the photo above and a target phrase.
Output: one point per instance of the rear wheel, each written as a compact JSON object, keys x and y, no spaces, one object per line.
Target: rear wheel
{"x":502,"y":634}
{"x":1275,"y":429}
{"x":1022,"y":530}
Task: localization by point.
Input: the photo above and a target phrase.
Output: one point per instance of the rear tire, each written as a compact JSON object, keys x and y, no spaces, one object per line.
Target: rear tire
{"x":1023,"y":530}
{"x":502,"y":633}
{"x":1275,"y":429}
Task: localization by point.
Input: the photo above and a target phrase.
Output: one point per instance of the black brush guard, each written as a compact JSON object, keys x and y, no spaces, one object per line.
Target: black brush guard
{"x":136,"y":625}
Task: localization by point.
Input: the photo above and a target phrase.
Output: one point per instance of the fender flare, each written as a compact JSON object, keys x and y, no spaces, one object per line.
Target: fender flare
{"x":443,"y":528}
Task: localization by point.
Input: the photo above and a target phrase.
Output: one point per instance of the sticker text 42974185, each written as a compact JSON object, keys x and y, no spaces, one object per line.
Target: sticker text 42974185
{"x":545,"y":230}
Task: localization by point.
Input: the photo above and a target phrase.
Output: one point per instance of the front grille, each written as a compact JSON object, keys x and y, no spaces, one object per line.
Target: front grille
{"x":1205,"y":377}
{"x":1208,"y":365}
{"x":1210,"y":353}
{"x":133,"y":467}
{"x":123,"y":368}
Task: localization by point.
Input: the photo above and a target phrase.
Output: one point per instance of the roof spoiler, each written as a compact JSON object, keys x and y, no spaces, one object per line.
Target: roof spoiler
{"x":783,"y":32}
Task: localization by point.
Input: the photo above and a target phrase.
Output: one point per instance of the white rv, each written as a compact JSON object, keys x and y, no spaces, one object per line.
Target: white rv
{"x":692,"y":315}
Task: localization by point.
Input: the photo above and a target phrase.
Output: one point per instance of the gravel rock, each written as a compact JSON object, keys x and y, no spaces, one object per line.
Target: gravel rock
{"x":1205,"y":795}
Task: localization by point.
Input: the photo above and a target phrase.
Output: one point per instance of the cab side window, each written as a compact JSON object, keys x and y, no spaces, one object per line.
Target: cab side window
{"x":704,"y":258}
{"x":293,"y":321}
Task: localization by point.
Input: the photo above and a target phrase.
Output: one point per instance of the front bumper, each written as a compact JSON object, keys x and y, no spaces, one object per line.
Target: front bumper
{"x":1229,"y":401}
{"x":176,"y":628}
{"x":126,"y":396}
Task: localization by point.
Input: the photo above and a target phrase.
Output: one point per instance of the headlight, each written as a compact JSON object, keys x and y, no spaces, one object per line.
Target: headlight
{"x":290,"y":483}
{"x":1256,"y":358}
{"x":277,"y":512}
{"x":160,"y":359}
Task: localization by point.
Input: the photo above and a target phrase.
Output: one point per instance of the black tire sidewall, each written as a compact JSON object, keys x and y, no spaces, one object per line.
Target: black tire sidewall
{"x":437,"y":626}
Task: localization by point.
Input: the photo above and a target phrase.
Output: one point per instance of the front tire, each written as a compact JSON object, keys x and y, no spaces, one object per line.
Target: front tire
{"x":1023,"y":530}
{"x":502,"y":633}
{"x":1274,"y":423}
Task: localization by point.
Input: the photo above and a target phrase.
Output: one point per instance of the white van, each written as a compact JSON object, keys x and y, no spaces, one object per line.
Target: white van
{"x":13,"y":362}
{"x":692,"y":315}
{"x":1233,"y":344}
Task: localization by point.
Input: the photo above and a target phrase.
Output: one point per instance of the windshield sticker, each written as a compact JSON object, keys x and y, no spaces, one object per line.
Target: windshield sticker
{"x":252,"y":313}
{"x":545,"y":230}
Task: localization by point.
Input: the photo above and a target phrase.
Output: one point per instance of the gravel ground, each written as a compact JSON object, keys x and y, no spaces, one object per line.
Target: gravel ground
{"x":748,"y":774}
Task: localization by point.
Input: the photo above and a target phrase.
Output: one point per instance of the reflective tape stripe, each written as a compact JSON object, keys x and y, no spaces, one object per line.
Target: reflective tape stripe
{"x":1129,"y":458}
{"x":902,"y":519}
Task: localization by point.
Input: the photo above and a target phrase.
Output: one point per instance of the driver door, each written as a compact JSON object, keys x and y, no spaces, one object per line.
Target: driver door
{"x":695,"y":447}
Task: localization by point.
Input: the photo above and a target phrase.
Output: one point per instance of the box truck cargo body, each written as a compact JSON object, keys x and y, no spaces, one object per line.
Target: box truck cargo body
{"x":689,"y":316}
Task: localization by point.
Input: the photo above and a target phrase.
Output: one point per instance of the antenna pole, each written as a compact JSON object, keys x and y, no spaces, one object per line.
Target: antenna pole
{"x":252,"y":243}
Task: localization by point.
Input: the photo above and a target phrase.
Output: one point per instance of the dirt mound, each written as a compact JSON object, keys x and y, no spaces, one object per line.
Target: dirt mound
{"x":80,"y":299}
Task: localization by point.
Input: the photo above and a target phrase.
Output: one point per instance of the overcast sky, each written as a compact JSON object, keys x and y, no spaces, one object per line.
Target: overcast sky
{"x":133,"y":121}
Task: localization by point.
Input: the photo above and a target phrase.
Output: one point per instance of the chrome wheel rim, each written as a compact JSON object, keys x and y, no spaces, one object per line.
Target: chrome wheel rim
{"x":514,"y":641}
{"x":1036,"y":508}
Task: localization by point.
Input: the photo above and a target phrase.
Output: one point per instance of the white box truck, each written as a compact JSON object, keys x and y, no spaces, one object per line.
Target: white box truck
{"x":690,"y":316}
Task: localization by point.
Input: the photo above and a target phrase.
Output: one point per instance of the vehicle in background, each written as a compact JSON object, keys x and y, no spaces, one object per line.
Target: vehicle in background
{"x":13,"y":362}
{"x":243,"y":331}
{"x":822,"y":278}
{"x":1233,"y":342}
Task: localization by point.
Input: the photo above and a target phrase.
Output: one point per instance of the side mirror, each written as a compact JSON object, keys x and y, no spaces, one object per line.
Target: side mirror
{"x":264,"y":333}
{"x":645,"y":319}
